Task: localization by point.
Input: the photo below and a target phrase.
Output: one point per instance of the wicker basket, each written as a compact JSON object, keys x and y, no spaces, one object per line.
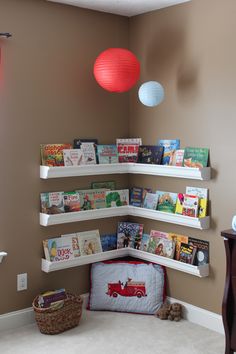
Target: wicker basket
{"x":54,"y":321}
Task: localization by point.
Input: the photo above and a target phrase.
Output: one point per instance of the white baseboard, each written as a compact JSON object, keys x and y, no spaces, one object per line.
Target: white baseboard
{"x":191,"y":313}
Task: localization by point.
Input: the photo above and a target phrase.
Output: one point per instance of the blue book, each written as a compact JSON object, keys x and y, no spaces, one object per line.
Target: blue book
{"x":169,"y":148}
{"x":107,"y":154}
{"x":109,"y":242}
{"x":144,"y":242}
{"x":136,"y":195}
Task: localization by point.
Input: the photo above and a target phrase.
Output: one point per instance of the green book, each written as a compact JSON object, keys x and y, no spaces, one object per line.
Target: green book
{"x":195,"y":157}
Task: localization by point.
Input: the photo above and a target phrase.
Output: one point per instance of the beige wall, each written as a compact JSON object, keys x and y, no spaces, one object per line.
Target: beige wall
{"x":48,"y":94}
{"x":191,"y":50}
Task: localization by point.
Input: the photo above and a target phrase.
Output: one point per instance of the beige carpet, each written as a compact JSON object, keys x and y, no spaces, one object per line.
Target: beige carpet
{"x":116,"y":333}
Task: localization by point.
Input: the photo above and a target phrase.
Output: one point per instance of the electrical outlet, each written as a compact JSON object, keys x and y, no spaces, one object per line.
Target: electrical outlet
{"x":21,"y":282}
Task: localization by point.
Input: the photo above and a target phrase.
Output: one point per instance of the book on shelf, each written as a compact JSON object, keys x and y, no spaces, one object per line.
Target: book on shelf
{"x":52,"y":154}
{"x":187,"y":253}
{"x":89,"y":242}
{"x":150,"y":201}
{"x":136,"y":194}
{"x":190,"y":205}
{"x":129,"y":234}
{"x":166,"y":201}
{"x":169,"y":145}
{"x":159,"y":234}
{"x":161,"y":246}
{"x":58,"y":249}
{"x":92,"y":198}
{"x":150,"y":154}
{"x":177,"y":158}
{"x":145,"y":191}
{"x":144,"y":242}
{"x":89,"y":153}
{"x":196,"y":157}
{"x":202,"y":194}
{"x":128,"y":149}
{"x":104,"y":184}
{"x":46,"y":299}
{"x":202,"y":253}
{"x":117,"y":198}
{"x":109,"y":242}
{"x":178,"y":239}
{"x":73,"y":157}
{"x":107,"y":154}
{"x":77,"y":142}
{"x":75,"y":243}
{"x":71,"y":201}
{"x":179,"y":204}
{"x":52,"y":202}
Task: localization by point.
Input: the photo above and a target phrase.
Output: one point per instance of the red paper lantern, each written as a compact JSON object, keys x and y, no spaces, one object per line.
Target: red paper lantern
{"x":116,"y":69}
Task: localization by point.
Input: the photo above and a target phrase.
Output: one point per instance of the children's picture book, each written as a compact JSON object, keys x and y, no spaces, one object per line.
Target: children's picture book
{"x":129,"y":235}
{"x":150,"y":201}
{"x":99,"y":196}
{"x":89,"y":242}
{"x":202,"y":256}
{"x":196,"y":157}
{"x":177,"y":158}
{"x":117,"y":198}
{"x":71,"y":201}
{"x":178,"y":239}
{"x":77,"y":142}
{"x":86,"y":197}
{"x":58,"y":249}
{"x":73,"y":157}
{"x":52,"y":154}
{"x":89,"y":153}
{"x":169,"y":148}
{"x":145,"y":191}
{"x":166,"y":201}
{"x":187,"y":253}
{"x":202,"y":194}
{"x":136,"y":196}
{"x":75,"y":243}
{"x":165,"y":248}
{"x":144,"y":242}
{"x":159,"y":234}
{"x":109,"y":242}
{"x":105,"y":184}
{"x":150,"y":154}
{"x":128,"y":149}
{"x":179,"y":204}
{"x":190,"y":205}
{"x":52,"y":203}
{"x":107,"y":154}
{"x":49,"y":298}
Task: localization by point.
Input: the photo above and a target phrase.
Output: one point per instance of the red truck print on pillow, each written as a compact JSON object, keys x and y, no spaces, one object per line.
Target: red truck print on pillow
{"x":131,"y":288}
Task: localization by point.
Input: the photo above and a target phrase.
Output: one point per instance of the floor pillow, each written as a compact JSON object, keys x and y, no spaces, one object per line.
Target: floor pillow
{"x":127,"y":286}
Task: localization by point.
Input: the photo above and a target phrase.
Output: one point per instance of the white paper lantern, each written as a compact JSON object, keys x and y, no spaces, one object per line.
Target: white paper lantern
{"x":151,"y":93}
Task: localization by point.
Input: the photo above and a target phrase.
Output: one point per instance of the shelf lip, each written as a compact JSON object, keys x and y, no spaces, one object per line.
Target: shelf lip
{"x":135,"y":168}
{"x":55,"y":219}
{"x":2,"y":255}
{"x":199,"y":271}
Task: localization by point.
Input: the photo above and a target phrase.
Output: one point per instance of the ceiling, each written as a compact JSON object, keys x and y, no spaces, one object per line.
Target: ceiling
{"x":122,"y":7}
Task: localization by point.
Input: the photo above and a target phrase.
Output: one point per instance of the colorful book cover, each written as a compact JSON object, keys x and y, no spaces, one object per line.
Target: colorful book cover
{"x":179,"y":204}
{"x":105,"y":184}
{"x":190,"y":205}
{"x":202,"y":255}
{"x":52,"y":154}
{"x":89,"y":242}
{"x":52,"y":203}
{"x":160,"y":234}
{"x":128,"y":149}
{"x":144,"y":242}
{"x":177,"y":158}
{"x":196,"y":157}
{"x":202,"y":194}
{"x":178,"y":239}
{"x":152,"y":244}
{"x":166,"y":201}
{"x":117,"y":198}
{"x":107,"y":154}
{"x":150,"y":154}
{"x":187,"y":253}
{"x":89,"y":153}
{"x":169,"y":148}
{"x":75,"y":243}
{"x":71,"y":201}
{"x":150,"y":201}
{"x":73,"y":157}
{"x":109,"y":242}
{"x":129,"y":234}
{"x":165,"y":248}
{"x":49,"y":297}
{"x":58,"y":249}
{"x":99,"y":196}
{"x":145,"y":191}
{"x":136,"y":196}
{"x":86,"y":199}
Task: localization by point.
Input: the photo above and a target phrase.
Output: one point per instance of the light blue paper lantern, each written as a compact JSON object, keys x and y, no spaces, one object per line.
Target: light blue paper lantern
{"x":151,"y":93}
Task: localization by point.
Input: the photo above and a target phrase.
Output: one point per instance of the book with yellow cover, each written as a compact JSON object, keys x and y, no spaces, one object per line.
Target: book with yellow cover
{"x":178,"y":239}
{"x":202,"y":194}
{"x":179,"y":204}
